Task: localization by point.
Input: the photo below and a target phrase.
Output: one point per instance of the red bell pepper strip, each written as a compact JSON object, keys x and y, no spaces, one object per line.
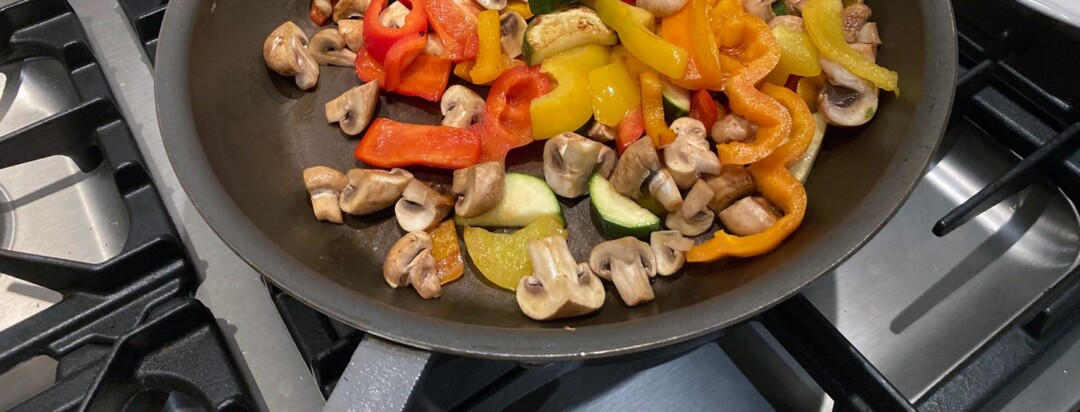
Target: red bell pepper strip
{"x":507,"y":123}
{"x":703,"y":107}
{"x":319,"y":17}
{"x":629,"y":129}
{"x":378,"y":38}
{"x":454,"y":21}
{"x":388,"y":143}
{"x":425,"y":78}
{"x":400,"y":56}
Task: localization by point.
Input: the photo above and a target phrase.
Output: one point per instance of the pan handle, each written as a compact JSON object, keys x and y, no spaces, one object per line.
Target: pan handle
{"x":381,"y":376}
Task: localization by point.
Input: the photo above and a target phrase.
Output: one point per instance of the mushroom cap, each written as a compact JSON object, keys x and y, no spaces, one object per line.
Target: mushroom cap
{"x":492,"y":4}
{"x":480,"y":187}
{"x":629,"y":264}
{"x":352,"y":30}
{"x":669,"y":247}
{"x":511,"y":33}
{"x":569,"y":161}
{"x":558,"y":287}
{"x":372,"y":190}
{"x":354,"y":109}
{"x":846,"y":99}
{"x":689,"y":126}
{"x":733,"y":182}
{"x":662,"y":8}
{"x":285,"y":52}
{"x":410,"y":262}
{"x":324,"y":178}
{"x":689,"y":157}
{"x":350,"y":9}
{"x":694,"y":218}
{"x":750,"y":215}
{"x":854,"y":17}
{"x":731,"y":128}
{"x":601,"y":132}
{"x":328,"y":47}
{"x":421,"y":207}
{"x":638,"y":161}
{"x":461,"y":107}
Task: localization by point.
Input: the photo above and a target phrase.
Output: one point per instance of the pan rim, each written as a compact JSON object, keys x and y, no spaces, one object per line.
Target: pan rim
{"x":192,"y":168}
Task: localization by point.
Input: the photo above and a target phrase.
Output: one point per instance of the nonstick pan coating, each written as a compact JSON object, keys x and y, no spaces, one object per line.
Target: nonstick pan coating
{"x":239,"y":136}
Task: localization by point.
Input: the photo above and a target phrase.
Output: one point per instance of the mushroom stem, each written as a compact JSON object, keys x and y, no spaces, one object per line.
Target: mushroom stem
{"x":354,"y":109}
{"x":569,"y":161}
{"x":410,"y":262}
{"x":638,"y":161}
{"x":286,"y":53}
{"x":558,"y":287}
{"x":324,"y":185}
{"x":480,"y":187}
{"x":629,"y":264}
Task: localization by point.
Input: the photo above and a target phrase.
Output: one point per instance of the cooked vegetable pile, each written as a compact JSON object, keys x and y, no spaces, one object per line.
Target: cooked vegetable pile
{"x":625,"y":96}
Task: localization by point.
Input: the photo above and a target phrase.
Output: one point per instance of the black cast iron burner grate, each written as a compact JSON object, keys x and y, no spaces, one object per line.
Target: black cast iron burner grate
{"x":128,"y":327}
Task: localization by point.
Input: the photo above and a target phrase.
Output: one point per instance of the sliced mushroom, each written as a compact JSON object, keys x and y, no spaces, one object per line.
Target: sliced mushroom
{"x":869,"y":51}
{"x":846,"y":99}
{"x":353,"y":109}
{"x":855,"y":16}
{"x":350,"y":9}
{"x":461,"y":106}
{"x":760,"y":8}
{"x":492,"y":4}
{"x":570,"y":160}
{"x":480,"y":187}
{"x":421,"y":207}
{"x":694,"y":217}
{"x":601,"y":132}
{"x":320,"y":11}
{"x":372,"y":190}
{"x":662,"y":8}
{"x":353,"y":33}
{"x":511,"y":33}
{"x":731,"y":128}
{"x":410,"y":262}
{"x":868,"y":34}
{"x":792,"y":22}
{"x":285,"y":52}
{"x":328,"y":47}
{"x":750,"y":215}
{"x":688,"y":158}
{"x":324,"y":185}
{"x":638,"y":161}
{"x":393,"y":16}
{"x":733,"y":182}
{"x":794,"y":7}
{"x":434,"y":46}
{"x":669,"y":247}
{"x":558,"y":287}
{"x":662,"y":187}
{"x":629,"y":264}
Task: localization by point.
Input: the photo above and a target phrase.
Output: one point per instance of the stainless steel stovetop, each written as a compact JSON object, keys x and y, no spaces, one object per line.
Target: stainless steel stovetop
{"x":914,"y":304}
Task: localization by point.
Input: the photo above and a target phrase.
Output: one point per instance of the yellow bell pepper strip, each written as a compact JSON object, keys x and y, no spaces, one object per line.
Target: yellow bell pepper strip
{"x":614,"y":93}
{"x":824,"y":22}
{"x":569,"y":106}
{"x":520,"y":7}
{"x":464,"y":69}
{"x":447,"y":252}
{"x":807,"y":88}
{"x":659,"y":54}
{"x":652,"y":108}
{"x":776,"y":183}
{"x":689,"y":28}
{"x":798,"y":56}
{"x":633,"y":65}
{"x":490,"y":61}
{"x":749,"y":52}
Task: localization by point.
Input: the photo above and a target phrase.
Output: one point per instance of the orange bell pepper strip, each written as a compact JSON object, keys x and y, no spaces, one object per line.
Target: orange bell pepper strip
{"x":490,"y":60}
{"x":447,"y":252}
{"x":776,"y":183}
{"x":749,"y":52}
{"x":425,"y":78}
{"x":388,"y":144}
{"x":652,"y":110}
{"x":400,"y":56}
{"x":689,"y":28}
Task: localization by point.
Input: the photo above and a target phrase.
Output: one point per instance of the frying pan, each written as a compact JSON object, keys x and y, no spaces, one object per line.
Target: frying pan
{"x":239,"y":136}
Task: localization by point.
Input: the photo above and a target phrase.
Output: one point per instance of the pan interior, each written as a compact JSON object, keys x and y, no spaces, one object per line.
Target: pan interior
{"x":259,"y":131}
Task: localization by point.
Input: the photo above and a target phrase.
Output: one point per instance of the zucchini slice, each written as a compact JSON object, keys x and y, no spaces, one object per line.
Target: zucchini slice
{"x":551,"y":34}
{"x":525,"y":199}
{"x":617,"y":215}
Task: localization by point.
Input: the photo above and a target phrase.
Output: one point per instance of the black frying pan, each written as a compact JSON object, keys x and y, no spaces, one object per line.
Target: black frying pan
{"x":239,"y":135}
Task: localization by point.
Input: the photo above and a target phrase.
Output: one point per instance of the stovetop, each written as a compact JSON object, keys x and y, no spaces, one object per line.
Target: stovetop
{"x":975,"y":319}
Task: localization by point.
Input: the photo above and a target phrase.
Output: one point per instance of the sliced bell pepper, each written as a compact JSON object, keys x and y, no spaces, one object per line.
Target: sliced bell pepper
{"x":507,"y":123}
{"x":748,"y":52}
{"x":464,"y":69}
{"x":689,"y":28}
{"x":776,"y":183}
{"x":568,"y":106}
{"x":379,"y":38}
{"x":490,"y":61}
{"x":798,"y":56}
{"x":520,"y":7}
{"x":425,"y":78}
{"x":652,"y":110}
{"x":614,"y":93}
{"x":447,"y":252}
{"x":666,"y":58}
{"x":824,"y":22}
{"x":400,"y":56}
{"x":629,"y":130}
{"x":633,"y":65}
{"x":454,"y":21}
{"x":388,"y":144}
{"x":807,"y":88}
{"x":703,"y":108}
